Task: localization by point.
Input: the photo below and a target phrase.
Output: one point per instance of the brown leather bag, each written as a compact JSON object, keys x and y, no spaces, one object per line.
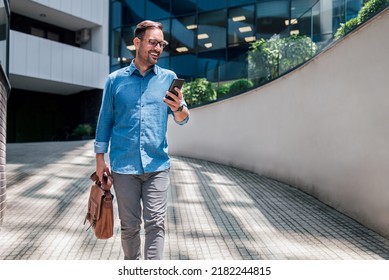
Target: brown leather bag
{"x":100,"y":208}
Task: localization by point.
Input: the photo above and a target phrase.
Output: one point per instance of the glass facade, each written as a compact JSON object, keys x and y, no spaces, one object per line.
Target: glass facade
{"x":211,"y":38}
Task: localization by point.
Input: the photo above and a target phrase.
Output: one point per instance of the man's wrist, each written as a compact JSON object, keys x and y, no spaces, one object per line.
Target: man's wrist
{"x":180,"y":108}
{"x":181,"y":116}
{"x":100,"y":157}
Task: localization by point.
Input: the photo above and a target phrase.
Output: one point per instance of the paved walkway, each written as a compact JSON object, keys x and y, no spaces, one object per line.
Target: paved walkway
{"x":215,"y":212}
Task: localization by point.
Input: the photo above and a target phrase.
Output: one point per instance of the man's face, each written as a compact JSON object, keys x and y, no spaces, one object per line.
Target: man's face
{"x":146,"y":53}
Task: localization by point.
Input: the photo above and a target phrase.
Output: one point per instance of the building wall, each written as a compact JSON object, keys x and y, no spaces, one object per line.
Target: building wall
{"x":58,"y":79}
{"x":4,"y":92}
{"x":56,"y":62}
{"x":323,"y":128}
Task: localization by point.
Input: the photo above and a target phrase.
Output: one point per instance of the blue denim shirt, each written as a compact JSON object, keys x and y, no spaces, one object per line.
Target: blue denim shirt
{"x":133,"y":120}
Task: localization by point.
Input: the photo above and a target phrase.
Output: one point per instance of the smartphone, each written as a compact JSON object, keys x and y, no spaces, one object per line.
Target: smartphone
{"x":175,"y":83}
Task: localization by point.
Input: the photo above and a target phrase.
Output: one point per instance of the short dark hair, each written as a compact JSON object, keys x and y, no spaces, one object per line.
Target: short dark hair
{"x":144,"y":25}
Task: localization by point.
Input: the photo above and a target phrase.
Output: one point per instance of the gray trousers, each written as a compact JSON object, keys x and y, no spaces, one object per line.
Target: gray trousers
{"x":132,"y":192}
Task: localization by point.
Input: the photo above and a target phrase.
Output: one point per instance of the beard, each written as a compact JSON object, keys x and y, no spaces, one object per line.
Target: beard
{"x":154,"y":56}
{"x":150,"y":58}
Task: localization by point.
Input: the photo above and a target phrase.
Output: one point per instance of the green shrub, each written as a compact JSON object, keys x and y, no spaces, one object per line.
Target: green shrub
{"x":346,"y":27}
{"x":293,"y":51}
{"x":83,"y":130}
{"x":263,"y":61}
{"x":270,"y":58}
{"x":199,"y":91}
{"x":223,"y":90}
{"x":240,"y":86}
{"x":368,"y":10}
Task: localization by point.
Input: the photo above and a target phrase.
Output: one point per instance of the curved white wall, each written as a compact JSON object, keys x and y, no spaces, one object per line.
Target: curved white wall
{"x":323,"y":128}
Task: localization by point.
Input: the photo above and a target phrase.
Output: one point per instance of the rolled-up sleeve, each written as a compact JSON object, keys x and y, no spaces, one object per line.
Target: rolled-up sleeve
{"x":105,"y":120}
{"x":101,"y":147}
{"x":182,"y":122}
{"x":183,"y":102}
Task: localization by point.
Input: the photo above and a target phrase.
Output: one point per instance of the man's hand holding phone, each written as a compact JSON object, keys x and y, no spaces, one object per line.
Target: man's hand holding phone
{"x":174,"y":95}
{"x":174,"y":98}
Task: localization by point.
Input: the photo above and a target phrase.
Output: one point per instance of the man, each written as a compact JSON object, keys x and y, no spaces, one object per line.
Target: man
{"x":133,"y":123}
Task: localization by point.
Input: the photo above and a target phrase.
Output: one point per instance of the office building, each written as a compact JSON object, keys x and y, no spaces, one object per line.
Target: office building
{"x":211,"y":38}
{"x":58,"y":63}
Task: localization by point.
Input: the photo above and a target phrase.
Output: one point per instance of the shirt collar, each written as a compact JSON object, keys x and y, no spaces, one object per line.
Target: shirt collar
{"x":132,"y":68}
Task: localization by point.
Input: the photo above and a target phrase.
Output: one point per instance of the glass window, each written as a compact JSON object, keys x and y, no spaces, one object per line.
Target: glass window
{"x":182,"y":7}
{"x":116,"y":14}
{"x":209,"y":63}
{"x":272,"y":17}
{"x":53,"y":36}
{"x":241,"y":25}
{"x":343,"y":10}
{"x":209,"y":5}
{"x":164,"y":62}
{"x":300,"y":7}
{"x":183,"y":35}
{"x":157,"y":9}
{"x":239,"y":2}
{"x":115,"y":46}
{"x":307,"y":23}
{"x":133,"y":11}
{"x":37,"y":32}
{"x":166,"y":36}
{"x":127,"y":48}
{"x":236,"y":67}
{"x":337,"y":14}
{"x":184,"y":65}
{"x":212,"y":31}
{"x":352,"y":8}
{"x":348,"y":8}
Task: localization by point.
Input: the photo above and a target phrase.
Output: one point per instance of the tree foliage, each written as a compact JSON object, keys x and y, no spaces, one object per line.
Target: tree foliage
{"x":270,"y":58}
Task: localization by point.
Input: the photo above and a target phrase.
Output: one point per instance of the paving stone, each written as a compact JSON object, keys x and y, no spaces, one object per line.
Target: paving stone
{"x":215,"y":212}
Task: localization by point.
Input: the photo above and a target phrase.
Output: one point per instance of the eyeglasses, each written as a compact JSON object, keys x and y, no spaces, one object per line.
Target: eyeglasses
{"x":154,"y":43}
